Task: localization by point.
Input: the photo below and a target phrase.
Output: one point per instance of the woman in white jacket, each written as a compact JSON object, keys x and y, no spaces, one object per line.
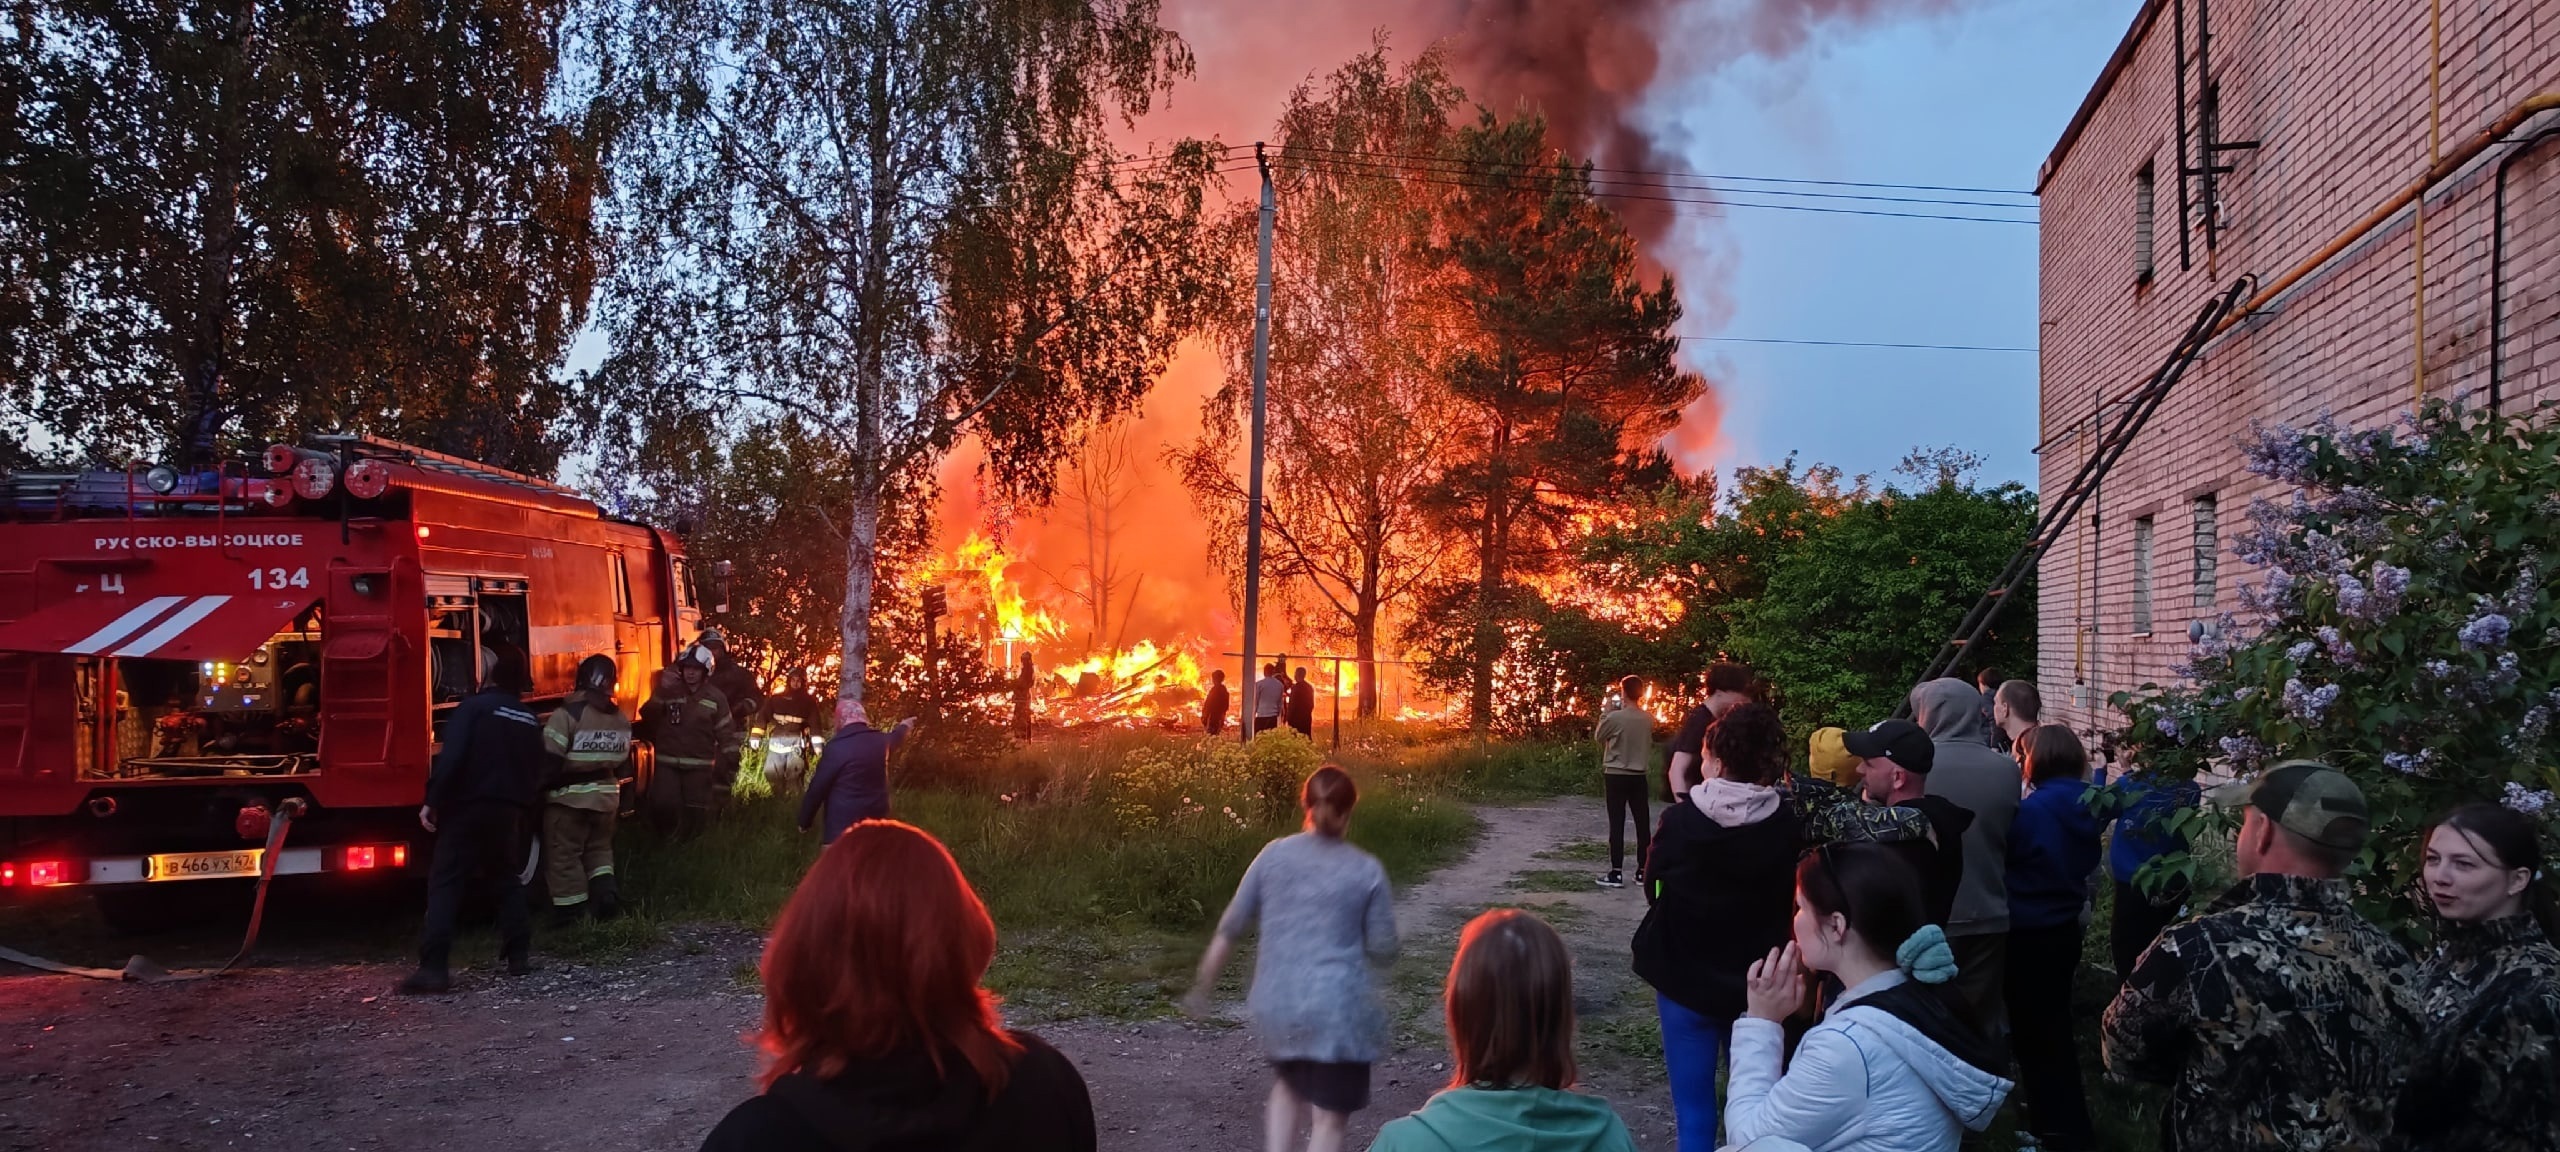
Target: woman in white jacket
{"x":1890,"y":1068}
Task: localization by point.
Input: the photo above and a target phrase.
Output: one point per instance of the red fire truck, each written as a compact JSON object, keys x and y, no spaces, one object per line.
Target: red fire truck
{"x":182,"y":656}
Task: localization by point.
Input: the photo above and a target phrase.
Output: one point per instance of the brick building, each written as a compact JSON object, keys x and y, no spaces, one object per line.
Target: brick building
{"x":2323,"y":112}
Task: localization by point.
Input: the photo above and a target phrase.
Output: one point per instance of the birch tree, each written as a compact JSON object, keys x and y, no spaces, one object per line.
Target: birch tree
{"x":900,"y":222}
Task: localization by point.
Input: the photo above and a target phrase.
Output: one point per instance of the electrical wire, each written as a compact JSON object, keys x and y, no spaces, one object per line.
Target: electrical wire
{"x":1660,"y":180}
{"x":1862,"y":344}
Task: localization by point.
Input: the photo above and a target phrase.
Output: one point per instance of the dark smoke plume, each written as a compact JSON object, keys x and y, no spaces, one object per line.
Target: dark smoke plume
{"x":1588,"y":64}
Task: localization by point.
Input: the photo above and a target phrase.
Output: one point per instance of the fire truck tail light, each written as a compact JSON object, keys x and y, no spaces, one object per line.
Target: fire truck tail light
{"x":367,"y":479}
{"x":424,"y":531}
{"x":359,"y":857}
{"x":399,"y":855}
{"x":8,"y":875}
{"x":45,"y":873}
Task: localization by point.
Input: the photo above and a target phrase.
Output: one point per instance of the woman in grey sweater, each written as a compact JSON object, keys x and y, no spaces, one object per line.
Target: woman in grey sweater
{"x":1326,"y":917}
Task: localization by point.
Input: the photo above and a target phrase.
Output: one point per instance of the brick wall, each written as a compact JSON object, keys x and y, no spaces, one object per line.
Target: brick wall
{"x":2337,"y":93}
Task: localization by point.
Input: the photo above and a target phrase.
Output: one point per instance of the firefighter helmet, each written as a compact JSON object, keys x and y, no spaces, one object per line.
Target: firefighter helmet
{"x":598,"y":673}
{"x":692,"y":658}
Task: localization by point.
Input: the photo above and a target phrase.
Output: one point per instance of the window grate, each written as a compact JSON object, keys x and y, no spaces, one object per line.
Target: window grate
{"x":2208,"y":550}
{"x":2142,"y":575}
{"x":2144,"y":187}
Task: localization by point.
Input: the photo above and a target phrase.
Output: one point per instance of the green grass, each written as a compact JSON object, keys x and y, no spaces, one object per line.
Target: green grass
{"x":1583,"y":851}
{"x":1105,"y":858}
{"x":1549,"y":880}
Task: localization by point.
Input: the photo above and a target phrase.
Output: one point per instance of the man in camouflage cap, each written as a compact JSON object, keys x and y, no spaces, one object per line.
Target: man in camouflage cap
{"x":2279,"y":1017}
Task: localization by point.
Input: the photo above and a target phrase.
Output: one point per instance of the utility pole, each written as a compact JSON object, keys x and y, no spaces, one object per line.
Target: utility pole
{"x":1253,"y":472}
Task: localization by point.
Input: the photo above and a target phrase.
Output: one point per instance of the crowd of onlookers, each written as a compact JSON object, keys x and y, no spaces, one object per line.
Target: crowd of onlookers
{"x":1871,"y":955}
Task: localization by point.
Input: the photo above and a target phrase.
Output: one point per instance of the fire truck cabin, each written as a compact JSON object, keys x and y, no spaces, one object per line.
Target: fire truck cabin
{"x":182,"y":656}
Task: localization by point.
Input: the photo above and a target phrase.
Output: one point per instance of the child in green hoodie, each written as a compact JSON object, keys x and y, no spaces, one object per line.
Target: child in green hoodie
{"x":1510,"y":1006}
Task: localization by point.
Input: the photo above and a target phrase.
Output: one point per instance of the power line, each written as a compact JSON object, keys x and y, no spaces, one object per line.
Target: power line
{"x":1451,"y":163}
{"x":1494,"y":185}
{"x":1730,"y":177}
{"x":1861,"y":344}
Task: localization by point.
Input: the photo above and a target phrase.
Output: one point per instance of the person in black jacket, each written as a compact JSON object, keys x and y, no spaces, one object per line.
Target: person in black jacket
{"x":877,"y":1036}
{"x":480,"y":800}
{"x":1722,"y":881}
{"x":853,"y":773}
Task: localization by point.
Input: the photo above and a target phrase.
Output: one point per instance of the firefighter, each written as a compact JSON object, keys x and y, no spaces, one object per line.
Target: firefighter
{"x":480,"y":798}
{"x":790,"y":716}
{"x":738,"y":686}
{"x":588,"y":741}
{"x":693,"y":731}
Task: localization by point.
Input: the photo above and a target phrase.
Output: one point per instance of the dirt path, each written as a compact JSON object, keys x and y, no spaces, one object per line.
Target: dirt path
{"x":1165,"y":1086}
{"x":646,"y":1053}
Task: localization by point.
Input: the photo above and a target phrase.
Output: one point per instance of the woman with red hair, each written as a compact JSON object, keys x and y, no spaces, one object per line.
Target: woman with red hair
{"x":876,"y":1033}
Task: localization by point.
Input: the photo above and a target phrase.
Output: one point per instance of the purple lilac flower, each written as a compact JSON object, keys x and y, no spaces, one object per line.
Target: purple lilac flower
{"x":2278,"y":453}
{"x":2530,"y":729}
{"x":2168,"y":726}
{"x":2509,"y":670}
{"x":2351,"y":597}
{"x":2401,"y":762}
{"x":2390,"y":583}
{"x":2244,"y":750}
{"x":2519,"y":599}
{"x":2438,"y":669}
{"x":2309,"y":704}
{"x":2488,"y":630}
{"x":2530,"y":801}
{"x":2338,"y":646}
{"x":2301,"y":651}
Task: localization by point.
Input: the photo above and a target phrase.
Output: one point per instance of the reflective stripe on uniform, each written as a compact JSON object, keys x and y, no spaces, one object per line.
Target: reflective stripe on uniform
{"x":589,"y":788}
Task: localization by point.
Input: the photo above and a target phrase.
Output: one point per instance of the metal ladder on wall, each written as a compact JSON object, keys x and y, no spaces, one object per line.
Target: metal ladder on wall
{"x":2064,"y":506}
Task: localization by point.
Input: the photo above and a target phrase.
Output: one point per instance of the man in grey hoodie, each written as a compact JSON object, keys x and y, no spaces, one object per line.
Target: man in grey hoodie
{"x":1972,"y":776}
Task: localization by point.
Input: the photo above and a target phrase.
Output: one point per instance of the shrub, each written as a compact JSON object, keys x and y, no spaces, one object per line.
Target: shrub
{"x":2401,"y":630}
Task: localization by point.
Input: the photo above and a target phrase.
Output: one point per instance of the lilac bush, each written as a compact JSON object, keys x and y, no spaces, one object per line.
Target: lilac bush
{"x":2397,"y":626}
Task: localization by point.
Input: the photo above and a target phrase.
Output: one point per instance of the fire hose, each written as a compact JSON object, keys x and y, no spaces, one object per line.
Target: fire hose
{"x":141,"y":969}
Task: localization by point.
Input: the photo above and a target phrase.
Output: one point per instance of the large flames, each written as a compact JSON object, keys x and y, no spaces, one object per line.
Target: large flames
{"x":1145,"y":683}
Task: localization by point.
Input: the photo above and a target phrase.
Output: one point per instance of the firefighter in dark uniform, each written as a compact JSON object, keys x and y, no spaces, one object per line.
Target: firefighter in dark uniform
{"x":588,"y":743}
{"x":791,"y":725}
{"x":480,"y":799}
{"x":738,"y":686}
{"x":692,"y":729}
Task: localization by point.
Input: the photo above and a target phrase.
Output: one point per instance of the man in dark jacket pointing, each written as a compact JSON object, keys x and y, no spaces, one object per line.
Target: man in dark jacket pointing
{"x":853,"y":774}
{"x":480,"y":799}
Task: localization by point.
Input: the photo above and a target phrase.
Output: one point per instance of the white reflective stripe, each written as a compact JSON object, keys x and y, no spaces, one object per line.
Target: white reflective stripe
{"x":175,"y":626}
{"x":124,"y":626}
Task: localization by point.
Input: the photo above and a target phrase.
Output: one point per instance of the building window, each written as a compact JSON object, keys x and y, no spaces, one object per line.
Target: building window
{"x":2142,"y":576}
{"x":2142,"y":216}
{"x":2208,"y":548}
{"x":621,"y":585}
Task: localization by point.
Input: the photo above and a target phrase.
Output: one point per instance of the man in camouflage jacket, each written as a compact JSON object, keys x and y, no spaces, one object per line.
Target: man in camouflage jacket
{"x":2280,"y":1019}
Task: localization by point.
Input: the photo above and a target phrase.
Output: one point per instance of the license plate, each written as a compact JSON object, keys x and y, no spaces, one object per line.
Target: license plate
{"x":205,"y":865}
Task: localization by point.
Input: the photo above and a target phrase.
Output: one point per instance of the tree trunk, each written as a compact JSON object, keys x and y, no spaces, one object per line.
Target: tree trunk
{"x":861,"y":571}
{"x":1488,"y":633}
{"x":217,"y":229}
{"x":1364,"y":646}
